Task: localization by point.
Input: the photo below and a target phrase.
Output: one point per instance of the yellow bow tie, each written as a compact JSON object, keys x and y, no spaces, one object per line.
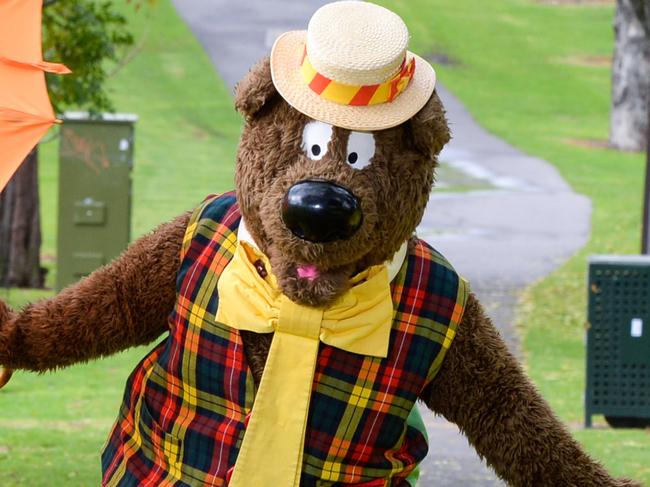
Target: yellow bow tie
{"x":359,"y":322}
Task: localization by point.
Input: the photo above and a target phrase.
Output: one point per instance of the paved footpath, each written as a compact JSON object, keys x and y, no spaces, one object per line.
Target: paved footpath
{"x":502,"y":238}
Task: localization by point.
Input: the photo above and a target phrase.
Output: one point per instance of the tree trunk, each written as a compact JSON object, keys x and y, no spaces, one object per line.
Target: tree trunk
{"x":20,"y":228}
{"x":630,"y":75}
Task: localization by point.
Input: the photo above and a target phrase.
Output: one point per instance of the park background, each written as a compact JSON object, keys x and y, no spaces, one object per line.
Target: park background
{"x":536,"y":73}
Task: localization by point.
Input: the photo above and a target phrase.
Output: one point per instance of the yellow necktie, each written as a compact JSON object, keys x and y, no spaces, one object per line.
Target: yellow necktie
{"x":358,"y":322}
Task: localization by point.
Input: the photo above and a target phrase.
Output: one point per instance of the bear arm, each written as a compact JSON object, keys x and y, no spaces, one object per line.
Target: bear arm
{"x":122,"y":304}
{"x":482,"y":388}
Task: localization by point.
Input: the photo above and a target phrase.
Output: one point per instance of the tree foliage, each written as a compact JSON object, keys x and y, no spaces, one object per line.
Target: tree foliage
{"x":90,"y":38}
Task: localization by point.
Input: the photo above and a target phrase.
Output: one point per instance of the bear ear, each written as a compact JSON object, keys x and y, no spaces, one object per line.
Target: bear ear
{"x":255,"y":89}
{"x":429,"y":128}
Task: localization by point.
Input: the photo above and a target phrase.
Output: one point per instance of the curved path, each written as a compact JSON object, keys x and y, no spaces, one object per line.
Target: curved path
{"x":522,"y":224}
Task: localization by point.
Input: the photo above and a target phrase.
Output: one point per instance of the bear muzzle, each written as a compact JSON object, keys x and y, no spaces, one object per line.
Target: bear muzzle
{"x":321,"y":211}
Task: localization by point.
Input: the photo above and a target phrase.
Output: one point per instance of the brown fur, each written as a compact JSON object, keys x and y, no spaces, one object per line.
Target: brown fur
{"x":480,"y":386}
{"x":118,"y":306}
{"x":254,"y":91}
{"x":483,"y":389}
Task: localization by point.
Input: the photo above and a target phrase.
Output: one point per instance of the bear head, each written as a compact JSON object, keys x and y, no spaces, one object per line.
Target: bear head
{"x":323,"y":202}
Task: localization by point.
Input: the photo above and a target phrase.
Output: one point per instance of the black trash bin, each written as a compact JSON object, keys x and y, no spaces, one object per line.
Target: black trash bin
{"x":618,"y":340}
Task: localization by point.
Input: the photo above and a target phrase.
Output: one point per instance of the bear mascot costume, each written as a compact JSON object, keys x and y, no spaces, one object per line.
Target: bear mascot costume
{"x":303,"y":318}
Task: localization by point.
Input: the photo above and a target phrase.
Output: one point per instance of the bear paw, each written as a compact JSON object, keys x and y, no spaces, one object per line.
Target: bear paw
{"x":5,"y":315}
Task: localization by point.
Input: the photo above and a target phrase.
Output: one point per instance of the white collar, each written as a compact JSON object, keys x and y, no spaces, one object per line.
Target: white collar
{"x":394,"y":265}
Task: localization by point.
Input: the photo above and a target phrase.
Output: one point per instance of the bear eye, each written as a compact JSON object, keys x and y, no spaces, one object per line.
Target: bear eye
{"x":361,"y":149}
{"x":315,"y":139}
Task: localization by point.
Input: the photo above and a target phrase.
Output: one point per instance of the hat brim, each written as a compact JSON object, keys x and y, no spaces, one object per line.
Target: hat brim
{"x":286,"y":57}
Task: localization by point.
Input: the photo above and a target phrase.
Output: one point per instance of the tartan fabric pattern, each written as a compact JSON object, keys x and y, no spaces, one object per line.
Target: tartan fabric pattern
{"x":184,"y":412}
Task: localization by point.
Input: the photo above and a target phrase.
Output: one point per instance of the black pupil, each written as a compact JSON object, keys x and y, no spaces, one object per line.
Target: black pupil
{"x":315,"y":149}
{"x":352,"y":158}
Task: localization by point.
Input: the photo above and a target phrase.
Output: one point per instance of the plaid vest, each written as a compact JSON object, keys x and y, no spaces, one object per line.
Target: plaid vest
{"x":186,"y":404}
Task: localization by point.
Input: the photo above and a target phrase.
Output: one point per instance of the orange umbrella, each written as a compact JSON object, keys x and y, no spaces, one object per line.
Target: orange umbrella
{"x":25,"y":110}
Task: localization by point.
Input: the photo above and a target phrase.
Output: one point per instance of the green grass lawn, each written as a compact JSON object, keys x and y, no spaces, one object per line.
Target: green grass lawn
{"x":537,"y":75}
{"x":525,"y":69}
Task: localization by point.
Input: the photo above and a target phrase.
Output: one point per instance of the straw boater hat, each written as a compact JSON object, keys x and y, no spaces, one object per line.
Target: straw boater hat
{"x":351,"y":68}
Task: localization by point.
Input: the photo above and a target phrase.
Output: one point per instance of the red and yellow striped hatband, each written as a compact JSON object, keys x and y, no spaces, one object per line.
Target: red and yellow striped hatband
{"x":356,"y":95}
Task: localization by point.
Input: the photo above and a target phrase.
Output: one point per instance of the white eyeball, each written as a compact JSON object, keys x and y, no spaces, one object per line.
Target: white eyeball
{"x":361,"y":148}
{"x":316,"y":137}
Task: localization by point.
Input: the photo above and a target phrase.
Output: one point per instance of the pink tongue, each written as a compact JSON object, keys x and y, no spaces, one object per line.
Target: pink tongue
{"x":308,"y":272}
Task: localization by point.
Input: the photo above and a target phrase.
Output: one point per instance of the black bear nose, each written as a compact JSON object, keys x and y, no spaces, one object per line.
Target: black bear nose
{"x":320,"y":211}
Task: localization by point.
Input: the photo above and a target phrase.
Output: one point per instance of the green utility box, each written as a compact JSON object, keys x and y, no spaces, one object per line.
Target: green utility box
{"x":96,"y":159}
{"x":618,"y":340}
